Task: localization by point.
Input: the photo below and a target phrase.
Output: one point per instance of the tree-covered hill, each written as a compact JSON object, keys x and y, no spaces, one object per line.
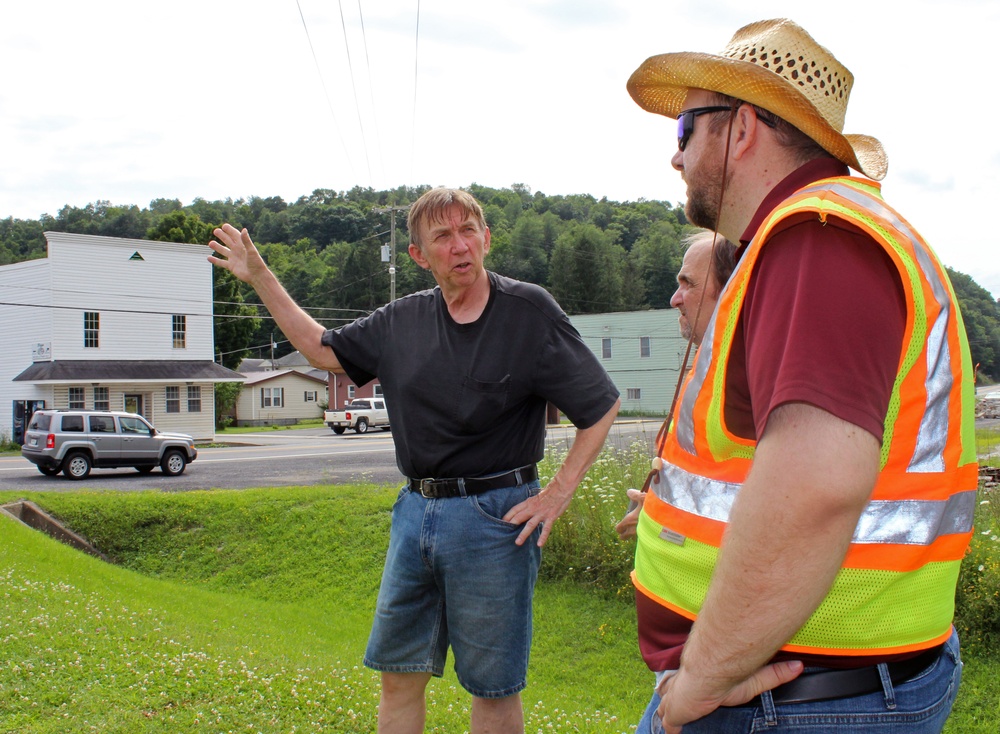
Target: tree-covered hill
{"x":593,"y":255}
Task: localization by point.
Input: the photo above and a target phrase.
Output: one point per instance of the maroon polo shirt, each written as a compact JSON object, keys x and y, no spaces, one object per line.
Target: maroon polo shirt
{"x":822,"y":323}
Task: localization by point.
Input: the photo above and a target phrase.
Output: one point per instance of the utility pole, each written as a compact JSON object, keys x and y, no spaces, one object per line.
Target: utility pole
{"x":389,"y":255}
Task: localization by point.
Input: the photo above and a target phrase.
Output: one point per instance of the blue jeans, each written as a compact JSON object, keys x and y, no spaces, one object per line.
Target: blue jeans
{"x":454,"y":576}
{"x":918,"y":706}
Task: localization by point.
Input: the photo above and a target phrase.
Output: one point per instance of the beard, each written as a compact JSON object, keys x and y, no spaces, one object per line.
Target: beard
{"x":685,"y":327}
{"x":702,"y":206}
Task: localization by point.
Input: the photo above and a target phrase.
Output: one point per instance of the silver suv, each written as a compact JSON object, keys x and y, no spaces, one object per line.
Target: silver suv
{"x":74,"y":441}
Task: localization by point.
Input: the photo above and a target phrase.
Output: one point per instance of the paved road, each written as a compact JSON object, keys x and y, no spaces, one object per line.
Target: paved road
{"x":276,"y":459}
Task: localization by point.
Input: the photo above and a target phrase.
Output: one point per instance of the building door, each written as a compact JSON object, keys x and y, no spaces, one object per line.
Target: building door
{"x":22,"y":411}
{"x":133,"y":403}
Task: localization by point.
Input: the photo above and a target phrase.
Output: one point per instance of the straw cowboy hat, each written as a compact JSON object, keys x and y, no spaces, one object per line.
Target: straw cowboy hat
{"x":775,"y":65}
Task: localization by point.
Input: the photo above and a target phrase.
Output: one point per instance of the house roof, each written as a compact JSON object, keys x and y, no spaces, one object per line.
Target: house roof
{"x":139,"y":370}
{"x":253,"y":364}
{"x":293,"y":359}
{"x":257,"y":377}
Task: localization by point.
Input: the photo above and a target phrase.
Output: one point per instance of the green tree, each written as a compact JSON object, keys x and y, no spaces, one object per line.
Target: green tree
{"x":20,"y":239}
{"x":100,"y":218}
{"x":981,"y":315}
{"x":326,"y":223}
{"x":657,"y":257}
{"x":226,"y":395}
{"x":234,"y":322}
{"x":631,"y":223}
{"x":164,"y":206}
{"x":586,"y":271}
{"x":179,"y":226}
{"x":523,"y":255}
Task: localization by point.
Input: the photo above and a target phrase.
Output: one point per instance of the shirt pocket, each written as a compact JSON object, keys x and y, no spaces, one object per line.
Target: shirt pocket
{"x":480,"y":403}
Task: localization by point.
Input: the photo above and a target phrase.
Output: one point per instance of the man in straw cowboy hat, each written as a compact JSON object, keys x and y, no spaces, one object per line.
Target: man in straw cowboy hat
{"x":799,"y":547}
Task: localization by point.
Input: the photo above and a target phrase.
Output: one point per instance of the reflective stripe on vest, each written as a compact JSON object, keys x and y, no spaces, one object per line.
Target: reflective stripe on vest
{"x":895,"y":590}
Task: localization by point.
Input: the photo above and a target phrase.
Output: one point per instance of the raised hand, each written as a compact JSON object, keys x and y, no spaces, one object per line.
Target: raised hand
{"x":235,"y":251}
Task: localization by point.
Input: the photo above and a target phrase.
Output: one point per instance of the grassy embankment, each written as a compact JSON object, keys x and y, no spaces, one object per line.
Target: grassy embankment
{"x":249,"y":610}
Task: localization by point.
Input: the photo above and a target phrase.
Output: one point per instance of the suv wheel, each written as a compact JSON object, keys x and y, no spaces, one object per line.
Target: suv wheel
{"x":146,"y":469}
{"x":49,"y":471}
{"x":173,"y":463}
{"x":362,"y":426}
{"x":76,"y":465}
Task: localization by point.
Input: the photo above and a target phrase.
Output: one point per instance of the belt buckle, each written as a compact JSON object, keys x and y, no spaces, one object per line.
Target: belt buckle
{"x":428,"y":489}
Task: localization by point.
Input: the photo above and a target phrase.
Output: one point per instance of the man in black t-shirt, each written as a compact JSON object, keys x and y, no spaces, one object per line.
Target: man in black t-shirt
{"x":467,"y":369}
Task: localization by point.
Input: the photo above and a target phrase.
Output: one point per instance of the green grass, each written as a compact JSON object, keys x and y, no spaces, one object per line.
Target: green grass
{"x":988,"y":446}
{"x":249,"y":611}
{"x":237,"y":430}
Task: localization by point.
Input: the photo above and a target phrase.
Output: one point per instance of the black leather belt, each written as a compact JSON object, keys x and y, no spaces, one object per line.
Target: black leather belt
{"x":823,"y":685}
{"x":434,"y":489}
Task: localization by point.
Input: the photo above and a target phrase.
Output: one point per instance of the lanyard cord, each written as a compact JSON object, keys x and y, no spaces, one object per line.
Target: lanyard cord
{"x":661,"y":435}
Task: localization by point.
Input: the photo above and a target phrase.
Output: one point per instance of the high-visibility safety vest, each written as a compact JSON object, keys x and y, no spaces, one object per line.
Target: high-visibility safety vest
{"x":895,"y":590}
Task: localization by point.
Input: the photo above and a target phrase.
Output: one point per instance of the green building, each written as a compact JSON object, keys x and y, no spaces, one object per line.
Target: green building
{"x":642,"y":351}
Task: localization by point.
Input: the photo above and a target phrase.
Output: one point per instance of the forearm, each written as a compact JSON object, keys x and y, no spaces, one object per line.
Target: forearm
{"x":234,"y":251}
{"x":302,"y":330}
{"x":790,"y":529}
{"x":587,"y":444}
{"x":545,"y":508}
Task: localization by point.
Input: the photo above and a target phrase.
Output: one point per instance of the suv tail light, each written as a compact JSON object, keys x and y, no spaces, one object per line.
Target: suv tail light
{"x":347,"y":416}
{"x":50,"y":441}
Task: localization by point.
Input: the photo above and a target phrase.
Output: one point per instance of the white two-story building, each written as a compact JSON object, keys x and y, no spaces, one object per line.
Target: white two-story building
{"x":111,"y":324}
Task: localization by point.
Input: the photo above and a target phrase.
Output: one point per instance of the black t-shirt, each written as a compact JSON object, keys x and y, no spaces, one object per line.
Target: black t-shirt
{"x":466,"y":400}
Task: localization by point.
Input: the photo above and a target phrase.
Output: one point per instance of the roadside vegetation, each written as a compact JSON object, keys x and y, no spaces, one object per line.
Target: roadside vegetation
{"x":249,"y":611}
{"x":221,"y":433}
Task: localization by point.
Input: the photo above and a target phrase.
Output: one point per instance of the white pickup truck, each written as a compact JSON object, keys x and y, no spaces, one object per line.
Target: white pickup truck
{"x":361,"y":414}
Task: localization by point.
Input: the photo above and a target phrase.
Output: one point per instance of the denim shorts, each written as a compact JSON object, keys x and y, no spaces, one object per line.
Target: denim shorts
{"x":919,"y":706}
{"x":454,"y":576}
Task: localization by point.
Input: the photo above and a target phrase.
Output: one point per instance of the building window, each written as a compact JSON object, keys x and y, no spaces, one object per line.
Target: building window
{"x":633,"y":393}
{"x":173,"y":399}
{"x":644,"y":342}
{"x":194,"y":398}
{"x":351,"y":389}
{"x":180,"y":331}
{"x":91,"y":329}
{"x":310,"y":396}
{"x":101,"y":399}
{"x":77,"y":398}
{"x":377,"y":391}
{"x":606,"y":348}
{"x":271,"y":397}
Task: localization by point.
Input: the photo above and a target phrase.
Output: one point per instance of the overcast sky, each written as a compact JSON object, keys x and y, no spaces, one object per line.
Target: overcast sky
{"x":130,"y":101}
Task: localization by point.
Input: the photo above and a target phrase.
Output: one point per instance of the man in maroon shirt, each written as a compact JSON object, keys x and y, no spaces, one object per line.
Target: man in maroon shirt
{"x":811,"y":367}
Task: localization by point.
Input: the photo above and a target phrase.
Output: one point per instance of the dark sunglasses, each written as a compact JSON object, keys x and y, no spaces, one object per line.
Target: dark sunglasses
{"x":685,"y":122}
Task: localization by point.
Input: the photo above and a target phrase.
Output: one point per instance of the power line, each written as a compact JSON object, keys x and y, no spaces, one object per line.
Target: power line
{"x":313,"y":308}
{"x":357,"y":107}
{"x":413,"y":123}
{"x":371,"y":92}
{"x":326,"y":93}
